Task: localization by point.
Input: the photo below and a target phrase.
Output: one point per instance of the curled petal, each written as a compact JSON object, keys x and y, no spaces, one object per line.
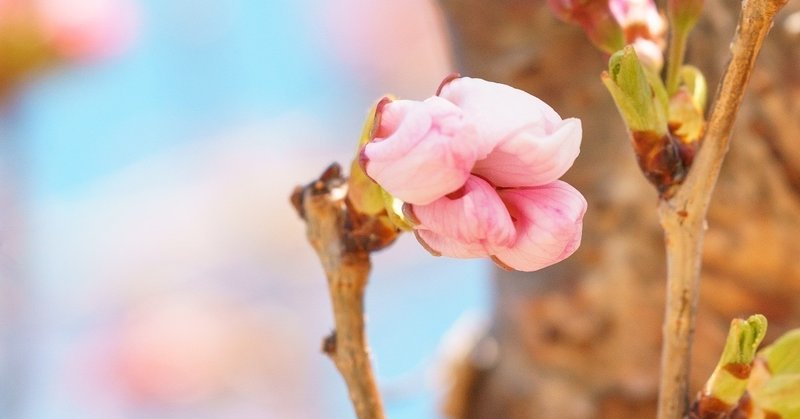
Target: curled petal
{"x":421,"y":150}
{"x":549,"y":221}
{"x":528,"y":158}
{"x":530,"y":144}
{"x":388,"y":116}
{"x":499,"y":110}
{"x":439,"y":245}
{"x":471,"y":215}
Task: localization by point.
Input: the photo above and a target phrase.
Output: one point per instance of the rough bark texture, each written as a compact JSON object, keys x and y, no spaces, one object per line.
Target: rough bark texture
{"x":582,"y":339}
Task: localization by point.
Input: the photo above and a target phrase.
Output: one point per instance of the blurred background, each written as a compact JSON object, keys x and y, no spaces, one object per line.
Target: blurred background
{"x":150,"y":263}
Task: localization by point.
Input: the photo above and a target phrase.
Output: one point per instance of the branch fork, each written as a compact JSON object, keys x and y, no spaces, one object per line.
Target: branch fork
{"x":683,"y":214}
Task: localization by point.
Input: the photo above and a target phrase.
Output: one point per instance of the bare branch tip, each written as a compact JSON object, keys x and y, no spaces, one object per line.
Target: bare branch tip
{"x":297,"y":201}
{"x":329,"y":344}
{"x":333,"y":171}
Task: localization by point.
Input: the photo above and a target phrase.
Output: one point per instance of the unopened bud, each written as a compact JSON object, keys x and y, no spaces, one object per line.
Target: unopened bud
{"x":596,"y":20}
{"x":686,"y":112}
{"x":728,"y":382}
{"x":641,"y":99}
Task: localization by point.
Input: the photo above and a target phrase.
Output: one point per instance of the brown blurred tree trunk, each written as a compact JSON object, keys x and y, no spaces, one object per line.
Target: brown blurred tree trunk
{"x":582,"y":339}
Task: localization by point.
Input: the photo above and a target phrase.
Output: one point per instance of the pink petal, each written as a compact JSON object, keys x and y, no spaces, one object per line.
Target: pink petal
{"x":390,"y":114}
{"x":422,"y":150}
{"x":529,"y":158}
{"x":649,"y":53}
{"x":531,"y":145}
{"x":473,"y":214}
{"x":499,"y":110}
{"x":633,"y":13}
{"x":446,"y":246}
{"x":549,"y":221}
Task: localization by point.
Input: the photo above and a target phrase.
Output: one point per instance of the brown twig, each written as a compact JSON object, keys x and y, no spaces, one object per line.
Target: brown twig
{"x":683,"y":215}
{"x":343,"y":240}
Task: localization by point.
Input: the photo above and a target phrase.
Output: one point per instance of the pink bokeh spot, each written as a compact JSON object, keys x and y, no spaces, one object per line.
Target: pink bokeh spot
{"x":88,"y":29}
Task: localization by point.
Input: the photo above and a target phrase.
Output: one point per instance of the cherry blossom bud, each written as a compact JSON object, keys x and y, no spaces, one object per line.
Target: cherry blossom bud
{"x":595,"y":19}
{"x":477,"y":169}
{"x":642,"y":101}
{"x":644,"y":28}
{"x":640,"y":17}
{"x":683,"y":14}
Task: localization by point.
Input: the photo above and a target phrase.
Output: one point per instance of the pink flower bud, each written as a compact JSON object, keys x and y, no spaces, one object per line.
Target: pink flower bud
{"x":639,"y":18}
{"x":479,"y":164}
{"x":684,"y":13}
{"x":595,"y":19}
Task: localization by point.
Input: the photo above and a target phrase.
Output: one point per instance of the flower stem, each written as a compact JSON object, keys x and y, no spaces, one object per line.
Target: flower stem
{"x":683,"y":215}
{"x":677,"y":49}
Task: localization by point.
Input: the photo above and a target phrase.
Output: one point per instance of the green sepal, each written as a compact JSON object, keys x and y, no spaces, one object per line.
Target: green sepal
{"x":779,"y":395}
{"x":364,"y":194}
{"x":394,"y":209}
{"x":775,"y":383}
{"x":783,"y":356}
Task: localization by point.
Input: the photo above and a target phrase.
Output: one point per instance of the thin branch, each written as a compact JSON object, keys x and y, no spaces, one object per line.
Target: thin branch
{"x":754,"y":23}
{"x":343,"y":240}
{"x":683,"y":215}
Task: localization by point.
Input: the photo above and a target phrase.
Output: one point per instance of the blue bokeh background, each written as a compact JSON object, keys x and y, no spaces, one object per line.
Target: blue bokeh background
{"x":164,"y":172}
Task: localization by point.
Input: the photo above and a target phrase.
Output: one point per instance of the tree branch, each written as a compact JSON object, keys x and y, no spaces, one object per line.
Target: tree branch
{"x":683,"y":215}
{"x":343,"y":240}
